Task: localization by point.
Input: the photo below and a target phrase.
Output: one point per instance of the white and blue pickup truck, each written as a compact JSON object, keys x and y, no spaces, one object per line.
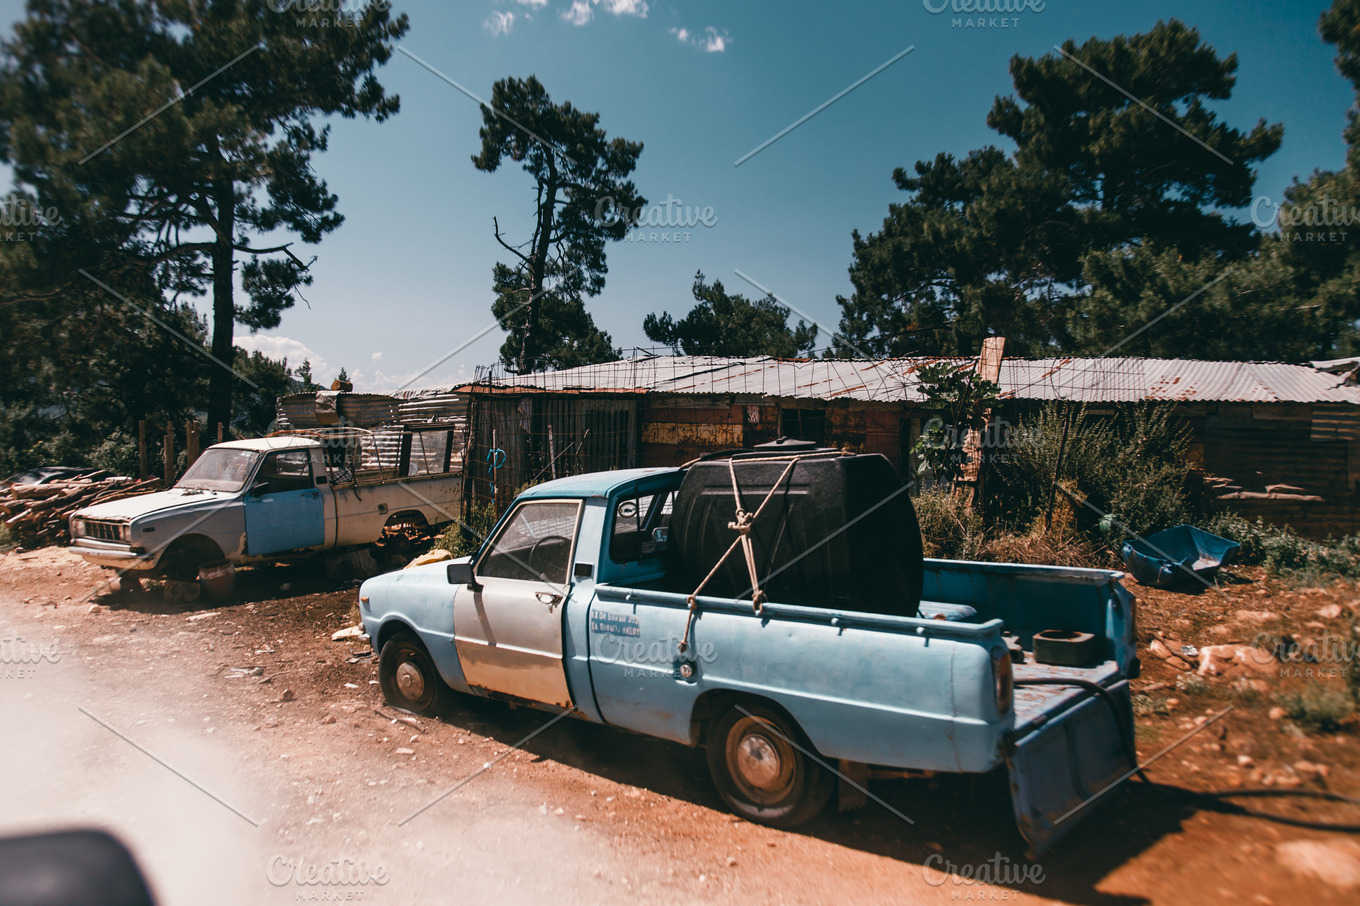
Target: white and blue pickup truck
{"x":582,"y":599}
{"x":267,"y":499}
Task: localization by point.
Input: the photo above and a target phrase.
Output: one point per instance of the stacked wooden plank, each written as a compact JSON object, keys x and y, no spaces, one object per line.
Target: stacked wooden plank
{"x":37,"y":514}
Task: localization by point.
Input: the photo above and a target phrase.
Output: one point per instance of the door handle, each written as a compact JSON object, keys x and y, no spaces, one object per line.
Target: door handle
{"x":547,"y":597}
{"x":313,"y":495}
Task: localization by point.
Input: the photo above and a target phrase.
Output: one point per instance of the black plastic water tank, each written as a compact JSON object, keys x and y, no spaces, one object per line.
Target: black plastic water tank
{"x":836,"y":534}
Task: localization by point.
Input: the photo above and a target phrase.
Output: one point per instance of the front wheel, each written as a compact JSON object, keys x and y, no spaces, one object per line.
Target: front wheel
{"x":407,"y":675}
{"x":759,"y":771}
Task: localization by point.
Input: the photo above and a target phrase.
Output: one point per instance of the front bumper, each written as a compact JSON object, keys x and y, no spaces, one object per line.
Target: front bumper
{"x":114,"y":555}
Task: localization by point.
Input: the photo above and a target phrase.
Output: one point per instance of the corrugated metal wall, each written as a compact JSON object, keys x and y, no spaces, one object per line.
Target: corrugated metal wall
{"x":538,"y":436}
{"x":514,"y":441}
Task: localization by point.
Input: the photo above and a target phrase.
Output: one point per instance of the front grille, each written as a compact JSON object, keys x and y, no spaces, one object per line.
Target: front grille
{"x":103,"y":530}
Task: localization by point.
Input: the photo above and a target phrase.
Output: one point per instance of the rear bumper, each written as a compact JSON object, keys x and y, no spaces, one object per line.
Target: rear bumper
{"x":113,"y":555}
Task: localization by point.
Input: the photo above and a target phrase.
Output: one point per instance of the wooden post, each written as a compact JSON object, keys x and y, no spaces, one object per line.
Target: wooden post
{"x":1057,"y":466}
{"x":219,"y":432}
{"x":169,"y":452}
{"x":142,"y":462}
{"x":191,"y":439}
{"x":989,"y":369}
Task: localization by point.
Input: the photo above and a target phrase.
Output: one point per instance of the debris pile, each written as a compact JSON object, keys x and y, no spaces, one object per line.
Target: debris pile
{"x":37,"y":514}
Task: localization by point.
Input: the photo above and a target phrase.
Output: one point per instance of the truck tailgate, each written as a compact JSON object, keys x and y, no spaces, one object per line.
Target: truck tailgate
{"x":1061,"y":762}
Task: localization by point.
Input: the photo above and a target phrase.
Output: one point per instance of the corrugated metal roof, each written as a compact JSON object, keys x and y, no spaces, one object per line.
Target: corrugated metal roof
{"x":1102,"y":380}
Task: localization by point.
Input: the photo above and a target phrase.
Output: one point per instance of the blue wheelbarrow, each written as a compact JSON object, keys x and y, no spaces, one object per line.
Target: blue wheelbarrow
{"x":1177,"y":555}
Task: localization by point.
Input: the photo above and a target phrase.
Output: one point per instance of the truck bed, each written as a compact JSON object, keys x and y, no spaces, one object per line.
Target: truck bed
{"x":1034,"y":704}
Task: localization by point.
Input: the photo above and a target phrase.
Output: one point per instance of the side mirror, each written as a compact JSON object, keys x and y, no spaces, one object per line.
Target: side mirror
{"x":658,"y":543}
{"x":78,"y":866}
{"x":461,"y":574}
{"x":258,"y":488}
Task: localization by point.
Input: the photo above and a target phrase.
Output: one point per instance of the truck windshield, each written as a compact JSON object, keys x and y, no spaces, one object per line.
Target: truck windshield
{"x":219,"y":470}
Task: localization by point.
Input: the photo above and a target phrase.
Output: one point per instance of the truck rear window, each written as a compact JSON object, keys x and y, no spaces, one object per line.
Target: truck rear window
{"x":634,"y":520}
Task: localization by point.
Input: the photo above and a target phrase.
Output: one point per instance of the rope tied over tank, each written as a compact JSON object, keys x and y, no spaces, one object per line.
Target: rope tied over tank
{"x":742,"y":525}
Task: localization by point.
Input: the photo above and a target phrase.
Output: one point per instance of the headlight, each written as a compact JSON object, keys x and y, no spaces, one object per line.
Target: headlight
{"x":127,"y":533}
{"x":77,"y":527}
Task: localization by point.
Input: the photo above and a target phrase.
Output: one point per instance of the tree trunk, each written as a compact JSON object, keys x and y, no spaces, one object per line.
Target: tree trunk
{"x":224,"y":308}
{"x":538,"y":266}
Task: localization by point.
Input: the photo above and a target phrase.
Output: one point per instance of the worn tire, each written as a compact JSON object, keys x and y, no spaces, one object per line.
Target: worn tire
{"x":182,"y":560}
{"x":760,"y":773}
{"x":408,"y":676}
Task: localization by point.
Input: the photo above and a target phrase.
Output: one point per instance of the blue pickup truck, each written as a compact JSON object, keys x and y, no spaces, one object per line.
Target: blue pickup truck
{"x":576,"y":601}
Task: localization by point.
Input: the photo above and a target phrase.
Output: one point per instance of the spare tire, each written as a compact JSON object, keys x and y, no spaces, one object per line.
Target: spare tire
{"x":840,"y":531}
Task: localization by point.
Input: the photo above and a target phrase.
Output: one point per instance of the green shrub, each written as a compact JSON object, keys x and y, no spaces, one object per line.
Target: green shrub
{"x":8,"y":541}
{"x":1130,"y":466}
{"x":462,"y":540}
{"x":949,"y":529}
{"x":117,"y":454}
{"x":1317,"y":709}
{"x":957,"y":397}
{"x":1284,"y":552}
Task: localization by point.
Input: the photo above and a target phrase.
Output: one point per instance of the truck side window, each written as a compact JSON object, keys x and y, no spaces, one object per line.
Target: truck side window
{"x":634,"y":519}
{"x":534,"y":546}
{"x":287,"y":470}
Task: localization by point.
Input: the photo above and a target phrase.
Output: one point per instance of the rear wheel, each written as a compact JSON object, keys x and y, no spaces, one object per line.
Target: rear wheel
{"x":407,"y":675}
{"x":760,"y":772}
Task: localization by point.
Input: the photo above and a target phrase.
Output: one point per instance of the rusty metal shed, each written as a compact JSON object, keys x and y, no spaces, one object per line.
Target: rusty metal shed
{"x":1283,"y":439}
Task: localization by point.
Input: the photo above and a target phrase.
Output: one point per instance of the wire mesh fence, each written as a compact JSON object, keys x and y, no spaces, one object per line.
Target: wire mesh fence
{"x":520,"y":440}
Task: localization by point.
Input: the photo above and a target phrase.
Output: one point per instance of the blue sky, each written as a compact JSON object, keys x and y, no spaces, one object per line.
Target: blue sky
{"x":407,"y":278}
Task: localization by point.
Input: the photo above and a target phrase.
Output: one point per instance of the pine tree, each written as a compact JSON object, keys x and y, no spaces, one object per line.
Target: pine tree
{"x":168,"y":134}
{"x":583,"y":200}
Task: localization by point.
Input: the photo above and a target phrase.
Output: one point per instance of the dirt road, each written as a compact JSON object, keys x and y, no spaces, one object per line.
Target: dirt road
{"x":240,"y":751}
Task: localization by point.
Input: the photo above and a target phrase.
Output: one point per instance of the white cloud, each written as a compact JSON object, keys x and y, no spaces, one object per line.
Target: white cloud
{"x":580,"y":12}
{"x":499,"y":23}
{"x":626,"y":7}
{"x":381,"y":382}
{"x":377,"y":381}
{"x":533,"y":4}
{"x":712,"y":40}
{"x":292,"y":350}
